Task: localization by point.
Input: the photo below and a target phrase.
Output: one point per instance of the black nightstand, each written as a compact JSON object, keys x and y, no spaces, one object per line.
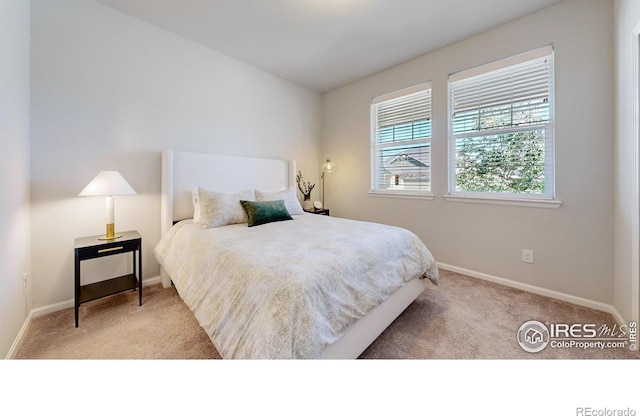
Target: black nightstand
{"x":318,"y":211}
{"x":86,"y":248}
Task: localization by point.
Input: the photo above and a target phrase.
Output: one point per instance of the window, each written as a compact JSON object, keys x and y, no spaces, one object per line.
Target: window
{"x":401,"y":142}
{"x":501,"y":129}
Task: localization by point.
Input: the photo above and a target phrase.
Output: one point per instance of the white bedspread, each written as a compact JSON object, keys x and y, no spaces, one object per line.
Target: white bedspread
{"x":288,"y":289}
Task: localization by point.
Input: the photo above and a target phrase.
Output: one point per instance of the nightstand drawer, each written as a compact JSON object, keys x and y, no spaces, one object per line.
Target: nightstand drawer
{"x":92,"y":252}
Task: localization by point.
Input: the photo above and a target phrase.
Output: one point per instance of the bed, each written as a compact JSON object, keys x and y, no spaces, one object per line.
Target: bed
{"x":311,"y":286}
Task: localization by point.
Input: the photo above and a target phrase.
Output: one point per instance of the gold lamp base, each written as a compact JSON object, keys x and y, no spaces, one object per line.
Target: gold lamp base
{"x":104,"y":237}
{"x":111,"y":235}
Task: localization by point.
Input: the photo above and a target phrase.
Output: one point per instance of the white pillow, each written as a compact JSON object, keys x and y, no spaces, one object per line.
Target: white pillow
{"x":288,"y":195}
{"x":218,"y":208}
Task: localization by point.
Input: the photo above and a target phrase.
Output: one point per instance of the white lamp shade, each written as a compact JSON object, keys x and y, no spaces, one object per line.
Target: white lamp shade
{"x":106,"y":183}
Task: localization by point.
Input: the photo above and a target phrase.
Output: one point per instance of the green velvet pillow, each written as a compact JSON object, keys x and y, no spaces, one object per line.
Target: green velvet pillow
{"x":263,"y":212}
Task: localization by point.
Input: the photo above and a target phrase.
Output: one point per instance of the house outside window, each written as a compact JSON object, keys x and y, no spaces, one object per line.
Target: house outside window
{"x":501,"y":129}
{"x":401,"y":142}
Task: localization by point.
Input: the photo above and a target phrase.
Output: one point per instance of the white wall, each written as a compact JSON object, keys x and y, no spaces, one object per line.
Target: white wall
{"x":573,"y":245}
{"x":627,"y":19}
{"x":110,"y":92}
{"x":14,"y":168}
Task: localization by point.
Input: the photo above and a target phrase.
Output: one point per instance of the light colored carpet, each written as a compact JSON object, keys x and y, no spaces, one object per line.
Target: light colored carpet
{"x":462,"y":318}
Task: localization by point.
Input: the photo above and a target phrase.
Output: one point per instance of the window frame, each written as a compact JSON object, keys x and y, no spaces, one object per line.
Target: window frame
{"x":375,"y":146}
{"x":546,"y":199}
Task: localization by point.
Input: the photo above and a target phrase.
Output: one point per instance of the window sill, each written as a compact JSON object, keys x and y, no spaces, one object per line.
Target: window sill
{"x":515,"y":202}
{"x":402,"y":195}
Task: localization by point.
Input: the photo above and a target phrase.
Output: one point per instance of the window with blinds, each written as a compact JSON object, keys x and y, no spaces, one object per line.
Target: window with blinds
{"x":401,"y":141}
{"x":501,"y":128}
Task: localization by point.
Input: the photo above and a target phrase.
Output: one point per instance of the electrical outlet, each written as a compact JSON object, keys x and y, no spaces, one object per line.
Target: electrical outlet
{"x":527,"y":256}
{"x":24,"y":280}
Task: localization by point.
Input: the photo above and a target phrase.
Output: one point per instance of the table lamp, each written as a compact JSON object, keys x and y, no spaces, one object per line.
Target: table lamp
{"x":108,"y":183}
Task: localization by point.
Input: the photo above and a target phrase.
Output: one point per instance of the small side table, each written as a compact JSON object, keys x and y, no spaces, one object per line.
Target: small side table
{"x":318,"y":211}
{"x":86,"y":248}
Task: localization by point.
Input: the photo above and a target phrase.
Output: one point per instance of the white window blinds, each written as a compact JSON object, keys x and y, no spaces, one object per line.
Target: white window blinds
{"x":401,"y":141}
{"x":501,"y":127}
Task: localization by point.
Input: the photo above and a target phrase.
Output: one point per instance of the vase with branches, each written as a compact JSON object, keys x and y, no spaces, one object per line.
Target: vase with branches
{"x":305,"y":189}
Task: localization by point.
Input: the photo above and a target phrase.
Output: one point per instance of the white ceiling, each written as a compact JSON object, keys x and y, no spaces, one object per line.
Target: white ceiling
{"x":323,"y":44}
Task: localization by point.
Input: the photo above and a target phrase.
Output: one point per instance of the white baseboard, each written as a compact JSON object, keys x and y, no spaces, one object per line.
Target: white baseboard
{"x":45,"y":310}
{"x":538,"y":290}
{"x":18,"y":339}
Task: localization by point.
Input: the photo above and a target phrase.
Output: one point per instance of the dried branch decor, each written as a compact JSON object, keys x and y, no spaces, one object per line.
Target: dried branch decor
{"x":305,"y":188}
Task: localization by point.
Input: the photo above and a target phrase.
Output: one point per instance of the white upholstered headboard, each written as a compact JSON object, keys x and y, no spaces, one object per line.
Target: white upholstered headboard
{"x":184,"y":171}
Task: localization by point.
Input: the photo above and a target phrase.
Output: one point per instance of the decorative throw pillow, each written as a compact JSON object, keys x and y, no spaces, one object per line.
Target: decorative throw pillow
{"x":263,"y":212}
{"x":219,"y":208}
{"x":287,"y":195}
